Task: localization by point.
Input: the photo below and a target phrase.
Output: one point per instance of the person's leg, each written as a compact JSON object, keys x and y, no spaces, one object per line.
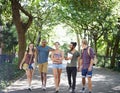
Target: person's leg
{"x":44,"y":79}
{"x":30,"y":77}
{"x":69,"y":75}
{"x":74,"y":73}
{"x":89,"y":75}
{"x":41,"y":77}
{"x":41,"y":73}
{"x":59,"y":71}
{"x":44,"y":70}
{"x":89,"y":84}
{"x":28,"y":74}
{"x":83,"y":81}
{"x":55,"y":76}
{"x":84,"y":72}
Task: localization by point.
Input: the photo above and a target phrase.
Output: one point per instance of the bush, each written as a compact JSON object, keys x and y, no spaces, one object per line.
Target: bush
{"x":9,"y":72}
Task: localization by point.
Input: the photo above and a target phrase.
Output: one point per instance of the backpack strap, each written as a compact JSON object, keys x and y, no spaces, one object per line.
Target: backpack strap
{"x":88,"y":51}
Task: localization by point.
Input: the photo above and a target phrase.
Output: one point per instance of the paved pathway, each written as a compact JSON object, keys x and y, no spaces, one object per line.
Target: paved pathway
{"x":104,"y":81}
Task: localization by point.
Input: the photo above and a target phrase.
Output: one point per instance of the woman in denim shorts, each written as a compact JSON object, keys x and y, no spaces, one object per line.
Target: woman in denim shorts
{"x":57,"y":57}
{"x":29,"y":59}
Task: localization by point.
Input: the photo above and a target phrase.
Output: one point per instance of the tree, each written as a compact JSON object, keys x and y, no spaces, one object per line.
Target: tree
{"x":21,"y":26}
{"x":9,"y":39}
{"x":116,"y":45}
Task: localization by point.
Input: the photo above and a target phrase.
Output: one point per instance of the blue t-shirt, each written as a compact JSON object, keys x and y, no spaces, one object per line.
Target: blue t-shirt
{"x":43,"y":53}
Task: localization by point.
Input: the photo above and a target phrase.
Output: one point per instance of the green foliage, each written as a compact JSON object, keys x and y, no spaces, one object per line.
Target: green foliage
{"x":9,"y":72}
{"x":92,"y":19}
{"x":65,"y":47}
{"x":44,"y":14}
{"x":9,"y":38}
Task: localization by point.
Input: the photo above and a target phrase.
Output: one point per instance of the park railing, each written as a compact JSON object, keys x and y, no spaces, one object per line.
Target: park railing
{"x":6,"y":58}
{"x":106,"y":61}
{"x":9,"y":70}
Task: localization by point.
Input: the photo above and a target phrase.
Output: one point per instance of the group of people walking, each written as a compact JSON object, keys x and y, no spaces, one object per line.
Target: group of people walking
{"x":76,"y":61}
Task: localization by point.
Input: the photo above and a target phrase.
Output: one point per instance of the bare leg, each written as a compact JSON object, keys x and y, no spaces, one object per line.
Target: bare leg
{"x":89,"y":84}
{"x":83,"y":82}
{"x":29,"y":74}
{"x":59,"y":75}
{"x":55,"y":77}
{"x":44,"y":79}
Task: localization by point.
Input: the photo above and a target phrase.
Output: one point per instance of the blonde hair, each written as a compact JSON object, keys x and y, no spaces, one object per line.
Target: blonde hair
{"x":84,"y":41}
{"x":57,"y":43}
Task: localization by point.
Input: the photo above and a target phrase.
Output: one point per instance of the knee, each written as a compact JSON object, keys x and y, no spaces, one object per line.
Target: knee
{"x":55,"y":76}
{"x":83,"y":78}
{"x":89,"y":79}
{"x":59,"y":75}
{"x":28,"y":75}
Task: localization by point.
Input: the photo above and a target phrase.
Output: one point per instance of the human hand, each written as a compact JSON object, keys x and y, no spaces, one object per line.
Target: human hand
{"x":20,"y":67}
{"x":66,"y":58}
{"x":70,"y":58}
{"x":90,"y":68}
{"x":79,"y":69}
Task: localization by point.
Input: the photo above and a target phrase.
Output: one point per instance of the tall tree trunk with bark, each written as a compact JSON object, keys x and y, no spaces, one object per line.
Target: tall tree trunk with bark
{"x":115,"y":49}
{"x":20,"y":26}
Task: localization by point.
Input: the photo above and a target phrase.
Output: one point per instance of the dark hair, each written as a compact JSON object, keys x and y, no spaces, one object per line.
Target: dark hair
{"x":74,"y":44}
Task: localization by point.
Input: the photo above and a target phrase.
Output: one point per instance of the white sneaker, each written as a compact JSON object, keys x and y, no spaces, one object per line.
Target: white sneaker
{"x":70,"y":89}
{"x":30,"y":88}
{"x":44,"y":87}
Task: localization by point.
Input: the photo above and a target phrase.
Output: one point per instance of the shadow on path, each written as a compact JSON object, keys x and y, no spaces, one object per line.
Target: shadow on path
{"x":104,"y":81}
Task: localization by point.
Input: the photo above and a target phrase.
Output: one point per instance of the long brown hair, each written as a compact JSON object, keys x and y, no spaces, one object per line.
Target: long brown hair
{"x":33,"y":50}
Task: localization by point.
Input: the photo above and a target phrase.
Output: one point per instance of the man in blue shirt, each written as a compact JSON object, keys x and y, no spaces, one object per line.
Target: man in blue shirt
{"x":43,"y":53}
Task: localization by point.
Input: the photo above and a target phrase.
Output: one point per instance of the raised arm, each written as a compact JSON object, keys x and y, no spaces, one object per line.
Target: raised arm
{"x":36,"y":55}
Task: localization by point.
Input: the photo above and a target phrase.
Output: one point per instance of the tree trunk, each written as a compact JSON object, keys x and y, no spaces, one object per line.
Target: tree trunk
{"x":78,"y":40}
{"x":107,"y":49}
{"x":20,"y":26}
{"x":95,"y":42}
{"x":115,"y":48}
{"x":22,"y":45}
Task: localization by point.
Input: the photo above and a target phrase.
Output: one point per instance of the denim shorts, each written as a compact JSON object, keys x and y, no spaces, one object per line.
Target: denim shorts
{"x":59,"y":66}
{"x":31,"y":66}
{"x":86,"y":73}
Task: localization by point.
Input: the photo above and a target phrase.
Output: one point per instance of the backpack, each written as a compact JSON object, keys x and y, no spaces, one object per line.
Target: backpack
{"x":95,"y":58}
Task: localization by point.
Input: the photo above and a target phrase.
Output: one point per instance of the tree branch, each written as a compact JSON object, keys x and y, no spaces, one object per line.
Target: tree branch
{"x":26,"y":25}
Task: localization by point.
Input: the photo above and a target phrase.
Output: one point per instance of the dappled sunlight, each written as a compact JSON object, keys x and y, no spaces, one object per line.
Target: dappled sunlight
{"x":116,"y":88}
{"x":18,"y":85}
{"x":103,"y":80}
{"x":98,"y":77}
